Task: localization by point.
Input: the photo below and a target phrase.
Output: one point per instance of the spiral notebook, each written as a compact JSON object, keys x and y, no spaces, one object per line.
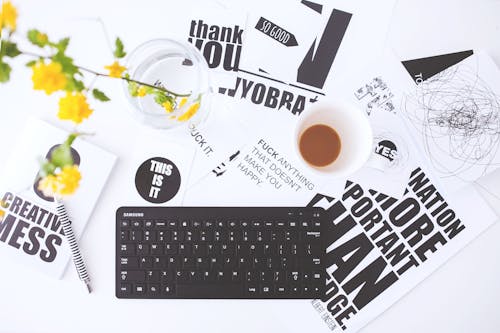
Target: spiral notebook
{"x":30,"y":232}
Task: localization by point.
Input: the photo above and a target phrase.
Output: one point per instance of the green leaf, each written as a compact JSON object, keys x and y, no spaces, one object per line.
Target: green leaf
{"x":9,"y":49}
{"x":46,"y":168}
{"x":5,"y":70}
{"x":133,"y":88}
{"x":61,"y":156}
{"x":62,"y":45}
{"x":37,"y":38}
{"x":99,"y":95}
{"x":149,"y":90}
{"x":74,"y":84}
{"x":160,"y":98}
{"x":31,"y":63}
{"x":71,"y":138}
{"x":66,"y":63}
{"x":119,"y":51}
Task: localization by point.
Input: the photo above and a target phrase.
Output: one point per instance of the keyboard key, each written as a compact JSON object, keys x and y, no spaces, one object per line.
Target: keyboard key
{"x":145,"y":262}
{"x":153,"y":289}
{"x":199,"y":249}
{"x":202,"y":263}
{"x":266,"y":290}
{"x":182,"y":276}
{"x":167,"y":276}
{"x":149,"y":236}
{"x":159,"y":262}
{"x":125,"y":288}
{"x":126,"y":249}
{"x":294,"y":276}
{"x":211,"y":290}
{"x":236,"y":276}
{"x":266,"y":276}
{"x":153,"y":276}
{"x":139,"y":289}
{"x":170,"y":249}
{"x":129,"y":263}
{"x":132,"y":276}
{"x":279,"y":276}
{"x":195,"y":276}
{"x":252,"y":276}
{"x":135,"y":235}
{"x":156,"y":249}
{"x":160,"y":224}
{"x":209,"y":276}
{"x":173,"y":262}
{"x":188,"y":263}
{"x":142,"y":249}
{"x":253,"y":289}
{"x":281,"y":290}
{"x":185,"y":249}
{"x":167,"y":289}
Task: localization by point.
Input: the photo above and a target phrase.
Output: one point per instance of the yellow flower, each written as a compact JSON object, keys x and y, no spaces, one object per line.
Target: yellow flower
{"x":141,"y":92}
{"x":64,"y":183}
{"x":8,"y":16}
{"x":182,"y":102}
{"x":74,"y":107}
{"x":69,"y":179}
{"x":49,"y":185}
{"x":2,"y":213}
{"x":190,"y":112}
{"x":168,"y":107}
{"x":115,"y":69}
{"x":48,"y":77}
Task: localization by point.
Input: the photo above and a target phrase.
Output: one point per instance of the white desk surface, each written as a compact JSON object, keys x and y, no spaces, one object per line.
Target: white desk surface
{"x":462,"y":296}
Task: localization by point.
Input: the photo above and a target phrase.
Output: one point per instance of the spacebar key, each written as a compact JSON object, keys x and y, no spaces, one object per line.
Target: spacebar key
{"x":229,"y":290}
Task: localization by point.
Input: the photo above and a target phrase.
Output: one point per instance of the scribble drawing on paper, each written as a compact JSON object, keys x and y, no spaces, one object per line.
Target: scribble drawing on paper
{"x":457,"y":115}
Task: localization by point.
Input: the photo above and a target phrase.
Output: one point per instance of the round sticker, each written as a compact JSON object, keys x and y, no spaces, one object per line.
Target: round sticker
{"x":157,"y":180}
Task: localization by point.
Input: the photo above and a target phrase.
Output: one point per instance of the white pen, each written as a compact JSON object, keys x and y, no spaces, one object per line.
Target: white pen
{"x":73,"y":245}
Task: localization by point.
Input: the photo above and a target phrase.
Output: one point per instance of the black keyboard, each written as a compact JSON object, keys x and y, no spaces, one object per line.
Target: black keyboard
{"x":219,"y":252}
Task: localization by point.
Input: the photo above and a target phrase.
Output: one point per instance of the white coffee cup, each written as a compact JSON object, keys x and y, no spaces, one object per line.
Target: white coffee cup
{"x":353,"y":128}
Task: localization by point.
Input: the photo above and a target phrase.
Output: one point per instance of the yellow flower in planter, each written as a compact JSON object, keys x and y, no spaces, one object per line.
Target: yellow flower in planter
{"x":190,"y":112}
{"x":141,"y":92}
{"x":115,"y":69}
{"x":8,"y":15}
{"x":168,"y":107}
{"x":49,"y":185}
{"x":182,"y":102}
{"x":48,"y":77}
{"x":69,"y":179}
{"x":2,"y":213}
{"x":64,"y":183}
{"x":74,"y":107}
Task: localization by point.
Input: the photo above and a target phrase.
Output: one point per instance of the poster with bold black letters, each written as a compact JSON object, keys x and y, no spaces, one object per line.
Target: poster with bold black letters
{"x":379,"y":247}
{"x":291,"y":61}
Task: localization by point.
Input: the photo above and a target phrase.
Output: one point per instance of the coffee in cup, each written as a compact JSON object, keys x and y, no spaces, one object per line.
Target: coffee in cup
{"x":333,"y":138}
{"x":320,"y":145}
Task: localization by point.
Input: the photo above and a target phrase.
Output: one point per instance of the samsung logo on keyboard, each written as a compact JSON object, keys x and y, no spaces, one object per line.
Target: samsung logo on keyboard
{"x":133,"y":214}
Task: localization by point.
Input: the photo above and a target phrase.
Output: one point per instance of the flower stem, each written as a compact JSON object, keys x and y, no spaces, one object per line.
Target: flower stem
{"x":91,"y":71}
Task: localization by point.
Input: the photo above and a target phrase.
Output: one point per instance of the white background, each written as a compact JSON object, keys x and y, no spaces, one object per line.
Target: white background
{"x":462,"y":296}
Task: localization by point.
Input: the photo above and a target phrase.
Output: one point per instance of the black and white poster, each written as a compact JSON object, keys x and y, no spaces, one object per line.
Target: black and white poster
{"x":379,"y":246}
